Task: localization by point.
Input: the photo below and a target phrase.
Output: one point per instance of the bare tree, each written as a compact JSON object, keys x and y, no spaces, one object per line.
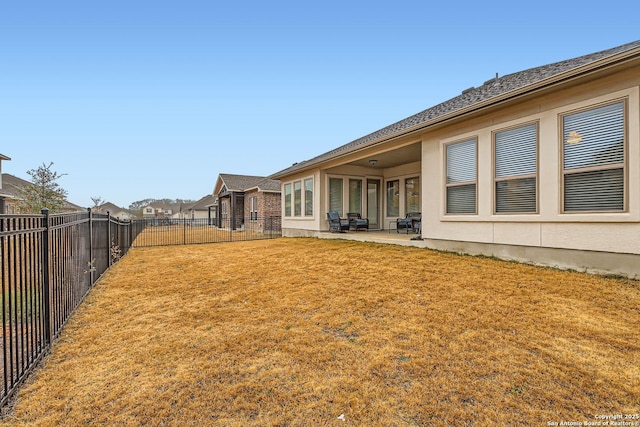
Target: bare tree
{"x":97,"y":201}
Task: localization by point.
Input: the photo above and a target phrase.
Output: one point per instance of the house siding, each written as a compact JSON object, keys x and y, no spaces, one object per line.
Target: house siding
{"x":598,"y":242}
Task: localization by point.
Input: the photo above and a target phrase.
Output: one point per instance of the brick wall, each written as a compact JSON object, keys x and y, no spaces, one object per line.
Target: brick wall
{"x":268,"y":209}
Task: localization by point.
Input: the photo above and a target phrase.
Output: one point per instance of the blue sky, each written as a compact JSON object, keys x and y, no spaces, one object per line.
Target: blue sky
{"x":153,"y":99}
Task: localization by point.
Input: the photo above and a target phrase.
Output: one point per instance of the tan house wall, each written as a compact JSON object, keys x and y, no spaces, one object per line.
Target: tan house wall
{"x":600,"y":242}
{"x":608,"y":232}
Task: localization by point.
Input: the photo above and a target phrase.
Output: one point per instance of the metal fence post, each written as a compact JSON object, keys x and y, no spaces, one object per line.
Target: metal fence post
{"x":46,"y":279}
{"x":90,"y":262}
{"x":108,"y":239}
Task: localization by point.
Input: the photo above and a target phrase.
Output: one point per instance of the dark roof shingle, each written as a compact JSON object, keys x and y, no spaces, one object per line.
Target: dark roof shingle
{"x":492,"y":89}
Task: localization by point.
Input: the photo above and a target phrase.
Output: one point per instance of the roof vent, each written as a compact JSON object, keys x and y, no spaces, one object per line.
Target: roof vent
{"x":468,"y":90}
{"x":494,"y":80}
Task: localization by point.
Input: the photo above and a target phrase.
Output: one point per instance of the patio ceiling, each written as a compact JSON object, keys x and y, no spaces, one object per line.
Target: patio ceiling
{"x":400,"y":156}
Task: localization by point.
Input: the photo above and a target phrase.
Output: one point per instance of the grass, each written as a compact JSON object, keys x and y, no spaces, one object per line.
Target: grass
{"x":309,"y":332}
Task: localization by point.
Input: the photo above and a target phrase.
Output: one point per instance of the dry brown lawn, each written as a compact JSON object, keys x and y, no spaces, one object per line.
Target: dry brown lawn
{"x":300,"y":332}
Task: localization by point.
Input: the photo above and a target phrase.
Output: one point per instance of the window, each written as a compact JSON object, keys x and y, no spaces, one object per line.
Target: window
{"x":308,"y":197}
{"x":297,"y":198}
{"x":393,"y":198}
{"x":412,"y":195}
{"x":335,"y":195}
{"x":516,"y":166}
{"x":461,"y":165}
{"x":594,"y":159}
{"x":287,"y":200}
{"x":355,"y":195}
{"x":253,"y":208}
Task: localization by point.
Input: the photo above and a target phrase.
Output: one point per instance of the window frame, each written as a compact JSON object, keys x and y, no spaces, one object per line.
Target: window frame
{"x":608,"y":167}
{"x":302,"y":206}
{"x":308,"y":197}
{"x":357,"y":193}
{"x":406,"y":194}
{"x":341,"y":199}
{"x":288,"y":208}
{"x":535,"y":175}
{"x":459,"y":184}
{"x":396,"y":197}
{"x":297,"y":198}
{"x":253,"y":208}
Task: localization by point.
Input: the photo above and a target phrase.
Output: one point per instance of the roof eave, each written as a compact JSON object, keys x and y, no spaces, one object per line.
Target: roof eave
{"x":560,"y":78}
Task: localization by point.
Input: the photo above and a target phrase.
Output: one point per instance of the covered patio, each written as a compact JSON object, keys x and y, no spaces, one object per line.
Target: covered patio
{"x":379,"y":236}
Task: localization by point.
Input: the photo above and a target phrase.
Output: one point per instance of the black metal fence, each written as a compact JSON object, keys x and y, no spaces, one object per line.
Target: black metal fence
{"x":171,"y":231}
{"x":48,"y":263}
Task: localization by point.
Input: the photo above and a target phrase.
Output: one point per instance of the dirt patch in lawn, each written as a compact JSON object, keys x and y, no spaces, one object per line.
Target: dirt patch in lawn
{"x":303,"y":332}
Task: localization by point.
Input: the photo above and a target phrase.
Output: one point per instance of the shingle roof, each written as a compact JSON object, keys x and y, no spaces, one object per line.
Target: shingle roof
{"x":245,"y":182}
{"x":11,"y":185}
{"x":493,"y":89}
{"x":203,"y":204}
{"x":108,"y":206}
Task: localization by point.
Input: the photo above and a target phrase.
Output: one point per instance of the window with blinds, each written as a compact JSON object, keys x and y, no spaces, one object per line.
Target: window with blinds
{"x":594,"y":159}
{"x":308,"y":197}
{"x":516,"y":165}
{"x":287,"y":200}
{"x":461,"y":170}
{"x":297,"y":198}
{"x":335,"y":195}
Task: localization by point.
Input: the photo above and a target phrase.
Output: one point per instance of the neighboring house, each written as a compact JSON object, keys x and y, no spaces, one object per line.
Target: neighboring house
{"x":11,"y":197}
{"x":6,"y":198}
{"x":160,"y":210}
{"x":114,"y":211}
{"x":252,"y":199}
{"x":541,"y":166}
{"x":203,"y":208}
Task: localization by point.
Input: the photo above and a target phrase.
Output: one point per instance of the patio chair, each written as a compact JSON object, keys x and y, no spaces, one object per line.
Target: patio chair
{"x":357,"y":222}
{"x":412,"y":220}
{"x":337,"y":224}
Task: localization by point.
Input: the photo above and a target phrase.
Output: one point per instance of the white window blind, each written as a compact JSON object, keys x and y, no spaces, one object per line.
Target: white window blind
{"x":516,"y":169}
{"x":297,"y":198}
{"x":461,"y":177}
{"x":335,"y":195}
{"x":287,"y":200}
{"x":308,"y":197}
{"x":594,"y":159}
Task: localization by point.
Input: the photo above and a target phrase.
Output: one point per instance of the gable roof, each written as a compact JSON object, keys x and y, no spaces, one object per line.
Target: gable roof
{"x":11,"y":185}
{"x":241,"y":183}
{"x":490,"y":93}
{"x":203,"y":203}
{"x":108,"y":206}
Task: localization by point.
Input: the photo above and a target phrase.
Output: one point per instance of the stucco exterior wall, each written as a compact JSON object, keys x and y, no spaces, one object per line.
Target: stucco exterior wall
{"x":596,"y":242}
{"x":550,"y":227}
